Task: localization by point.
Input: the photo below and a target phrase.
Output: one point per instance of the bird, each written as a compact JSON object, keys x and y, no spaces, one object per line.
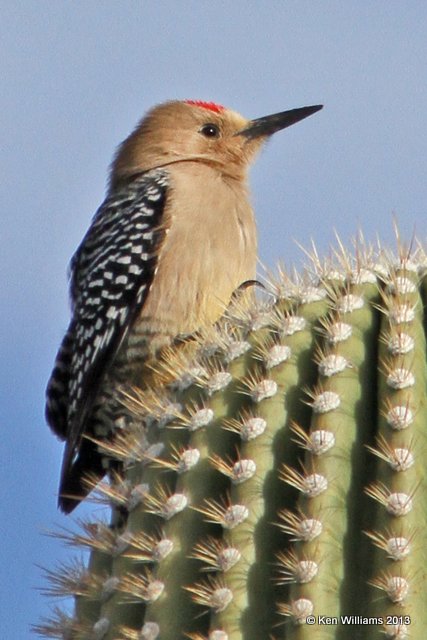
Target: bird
{"x":171,"y":243}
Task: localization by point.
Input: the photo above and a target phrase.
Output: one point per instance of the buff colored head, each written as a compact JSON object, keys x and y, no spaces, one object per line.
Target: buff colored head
{"x":197,"y":131}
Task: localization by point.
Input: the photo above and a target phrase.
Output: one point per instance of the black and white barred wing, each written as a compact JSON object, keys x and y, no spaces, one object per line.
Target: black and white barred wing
{"x":111,"y":273}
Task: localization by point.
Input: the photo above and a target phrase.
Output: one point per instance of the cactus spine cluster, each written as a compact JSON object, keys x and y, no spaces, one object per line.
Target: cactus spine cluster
{"x":274,"y":482}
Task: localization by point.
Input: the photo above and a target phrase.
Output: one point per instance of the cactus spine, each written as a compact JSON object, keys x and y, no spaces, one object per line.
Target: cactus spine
{"x":273,"y":474}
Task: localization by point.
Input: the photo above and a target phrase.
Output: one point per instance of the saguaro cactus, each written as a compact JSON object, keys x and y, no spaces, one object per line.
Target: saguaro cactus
{"x":273,"y":482}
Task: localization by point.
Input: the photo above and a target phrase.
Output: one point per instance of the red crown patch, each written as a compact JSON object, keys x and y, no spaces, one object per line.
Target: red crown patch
{"x":211,"y":106}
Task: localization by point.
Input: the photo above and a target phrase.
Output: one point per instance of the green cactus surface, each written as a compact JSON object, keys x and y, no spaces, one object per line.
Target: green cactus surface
{"x":272,"y":479}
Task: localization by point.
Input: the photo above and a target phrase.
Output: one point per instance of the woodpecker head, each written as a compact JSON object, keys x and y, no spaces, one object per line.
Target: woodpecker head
{"x":196,"y":131}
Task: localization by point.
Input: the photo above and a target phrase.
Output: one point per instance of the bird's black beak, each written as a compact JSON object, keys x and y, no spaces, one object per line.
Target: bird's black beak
{"x":268,"y":125}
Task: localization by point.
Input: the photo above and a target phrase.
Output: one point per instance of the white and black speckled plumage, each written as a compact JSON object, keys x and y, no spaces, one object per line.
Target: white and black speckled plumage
{"x":111,"y":273}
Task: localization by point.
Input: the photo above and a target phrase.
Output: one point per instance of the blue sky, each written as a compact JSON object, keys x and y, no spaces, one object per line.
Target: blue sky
{"x":76,"y":77}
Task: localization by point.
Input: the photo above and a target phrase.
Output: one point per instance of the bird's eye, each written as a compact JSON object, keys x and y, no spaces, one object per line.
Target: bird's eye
{"x":210,"y":130}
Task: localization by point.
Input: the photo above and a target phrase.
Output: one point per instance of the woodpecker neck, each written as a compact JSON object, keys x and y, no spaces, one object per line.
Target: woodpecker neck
{"x":226,"y":171}
{"x":229,"y":173}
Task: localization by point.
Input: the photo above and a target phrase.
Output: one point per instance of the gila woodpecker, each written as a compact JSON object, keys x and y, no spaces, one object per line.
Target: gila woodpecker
{"x":174,"y":238}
